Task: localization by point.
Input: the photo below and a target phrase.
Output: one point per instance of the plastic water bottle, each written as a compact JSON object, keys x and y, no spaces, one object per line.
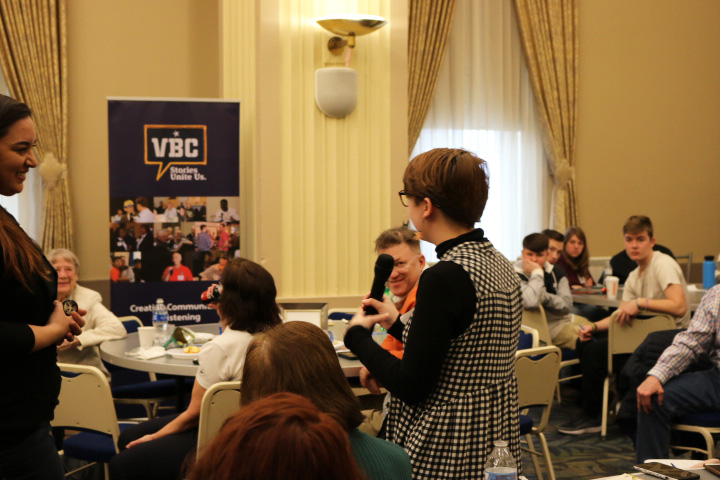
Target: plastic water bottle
{"x":607,"y":272}
{"x":708,"y":272}
{"x":160,"y":322}
{"x":501,"y":464}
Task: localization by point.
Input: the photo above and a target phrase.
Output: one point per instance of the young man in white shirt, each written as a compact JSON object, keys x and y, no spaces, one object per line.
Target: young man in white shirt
{"x":657,"y":285}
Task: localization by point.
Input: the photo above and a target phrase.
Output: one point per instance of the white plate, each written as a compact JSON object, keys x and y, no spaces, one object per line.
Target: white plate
{"x":179,"y":354}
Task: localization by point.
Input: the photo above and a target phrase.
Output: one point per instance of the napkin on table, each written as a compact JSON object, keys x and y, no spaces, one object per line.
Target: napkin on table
{"x":150,"y":353}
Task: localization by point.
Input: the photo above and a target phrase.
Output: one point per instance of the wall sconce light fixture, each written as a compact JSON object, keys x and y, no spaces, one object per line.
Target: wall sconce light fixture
{"x":336,"y":87}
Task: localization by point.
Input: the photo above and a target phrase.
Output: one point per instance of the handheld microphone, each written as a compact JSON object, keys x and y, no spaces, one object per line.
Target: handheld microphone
{"x":211,"y":296}
{"x":383,"y":269}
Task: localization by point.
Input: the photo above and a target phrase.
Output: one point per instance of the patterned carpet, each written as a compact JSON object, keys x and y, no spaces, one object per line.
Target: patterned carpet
{"x":581,"y":457}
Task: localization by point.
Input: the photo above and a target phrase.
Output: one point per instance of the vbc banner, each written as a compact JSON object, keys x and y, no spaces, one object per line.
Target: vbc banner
{"x":174,"y":202}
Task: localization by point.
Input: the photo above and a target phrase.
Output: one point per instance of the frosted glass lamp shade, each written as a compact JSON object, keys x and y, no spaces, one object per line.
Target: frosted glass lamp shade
{"x":336,"y":91}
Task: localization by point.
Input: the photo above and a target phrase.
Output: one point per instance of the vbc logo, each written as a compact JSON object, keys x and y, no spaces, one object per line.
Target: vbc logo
{"x":167,"y":145}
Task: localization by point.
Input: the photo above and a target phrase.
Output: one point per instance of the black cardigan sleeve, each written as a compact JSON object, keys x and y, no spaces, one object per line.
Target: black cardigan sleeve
{"x":446,"y":303}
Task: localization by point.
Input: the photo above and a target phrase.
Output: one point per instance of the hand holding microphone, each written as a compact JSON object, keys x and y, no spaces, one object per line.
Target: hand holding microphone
{"x":383,"y":269}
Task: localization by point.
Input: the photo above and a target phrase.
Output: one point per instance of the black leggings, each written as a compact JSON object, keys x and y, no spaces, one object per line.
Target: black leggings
{"x":161,"y":459}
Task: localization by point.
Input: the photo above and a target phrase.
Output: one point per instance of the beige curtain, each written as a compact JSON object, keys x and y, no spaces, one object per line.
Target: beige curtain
{"x":549,"y":34}
{"x":430,"y":22}
{"x":33,"y":58}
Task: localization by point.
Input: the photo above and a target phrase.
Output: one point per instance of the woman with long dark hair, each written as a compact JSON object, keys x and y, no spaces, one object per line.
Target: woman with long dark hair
{"x":32,"y":321}
{"x":156,"y":449}
{"x":575,"y":258}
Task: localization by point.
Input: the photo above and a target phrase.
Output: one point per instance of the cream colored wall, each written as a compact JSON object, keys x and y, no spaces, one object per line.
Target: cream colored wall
{"x":649,"y":122}
{"x":321,"y":188}
{"x":162,"y":48}
{"x":648,"y":139}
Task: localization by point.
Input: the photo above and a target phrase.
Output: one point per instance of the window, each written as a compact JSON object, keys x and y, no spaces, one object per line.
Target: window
{"x":483,"y":103}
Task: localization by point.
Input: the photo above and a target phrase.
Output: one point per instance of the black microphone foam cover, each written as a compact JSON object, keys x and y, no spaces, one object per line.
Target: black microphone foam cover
{"x":383,"y":269}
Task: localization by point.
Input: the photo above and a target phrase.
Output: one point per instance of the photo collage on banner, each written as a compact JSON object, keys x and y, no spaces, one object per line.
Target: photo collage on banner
{"x":174,"y":202}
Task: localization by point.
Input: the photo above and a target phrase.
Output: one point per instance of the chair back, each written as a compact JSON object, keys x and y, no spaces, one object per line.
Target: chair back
{"x":536,"y":318}
{"x":626,"y":338}
{"x":131,"y":323}
{"x":537,"y":371}
{"x":341,"y":313}
{"x":85,"y":401}
{"x":529,"y":338}
{"x":219,"y":402}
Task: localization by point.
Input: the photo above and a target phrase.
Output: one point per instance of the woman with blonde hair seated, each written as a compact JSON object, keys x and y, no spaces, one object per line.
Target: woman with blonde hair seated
{"x":278,"y":437}
{"x":298,"y":357}
{"x":100,"y":323}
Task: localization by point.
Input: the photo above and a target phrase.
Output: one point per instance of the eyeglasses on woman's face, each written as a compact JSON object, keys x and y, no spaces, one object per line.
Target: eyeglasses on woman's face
{"x":404,"y":198}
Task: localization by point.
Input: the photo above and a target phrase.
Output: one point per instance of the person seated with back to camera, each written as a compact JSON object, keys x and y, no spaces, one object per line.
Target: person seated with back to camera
{"x":156,"y":449}
{"x":286,"y":436}
{"x":298,"y":357}
{"x":657,"y":285}
{"x":100,"y":323}
{"x":545,"y":284}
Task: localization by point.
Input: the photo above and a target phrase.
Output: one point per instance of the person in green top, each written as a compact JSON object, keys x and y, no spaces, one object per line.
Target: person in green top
{"x":298,"y":357}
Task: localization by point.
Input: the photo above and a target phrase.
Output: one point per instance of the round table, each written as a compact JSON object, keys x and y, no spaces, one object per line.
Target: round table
{"x":115,"y":353}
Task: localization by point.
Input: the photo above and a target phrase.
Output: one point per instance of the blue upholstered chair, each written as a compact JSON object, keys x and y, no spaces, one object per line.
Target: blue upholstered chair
{"x":86,"y":404}
{"x":703,"y":423}
{"x":529,"y":338}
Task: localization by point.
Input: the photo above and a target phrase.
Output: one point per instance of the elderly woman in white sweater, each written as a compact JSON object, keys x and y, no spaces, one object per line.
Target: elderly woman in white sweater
{"x":101,"y":323}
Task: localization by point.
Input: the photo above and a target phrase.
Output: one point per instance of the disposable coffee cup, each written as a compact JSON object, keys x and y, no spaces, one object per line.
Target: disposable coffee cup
{"x":147,"y":336}
{"x":611,"y":287}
